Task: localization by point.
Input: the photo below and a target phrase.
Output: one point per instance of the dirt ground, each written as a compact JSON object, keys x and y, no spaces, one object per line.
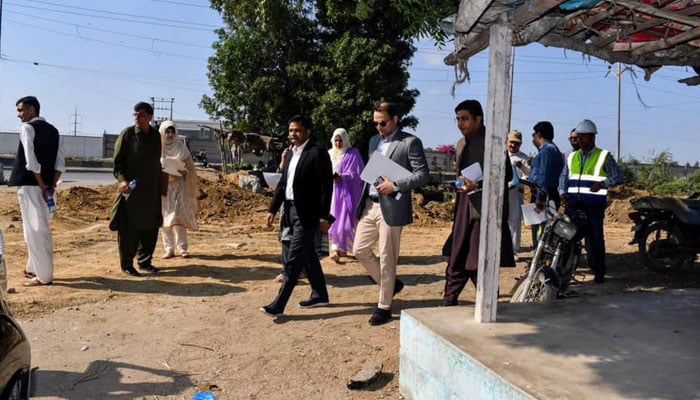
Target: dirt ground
{"x":98,"y":334}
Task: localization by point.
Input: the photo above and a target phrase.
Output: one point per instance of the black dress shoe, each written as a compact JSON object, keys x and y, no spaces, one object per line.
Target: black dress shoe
{"x":380,"y":317}
{"x":398,"y":286}
{"x":311,"y":303}
{"x":130,"y":271}
{"x":271,"y":312}
{"x":599,"y":279}
{"x":448,"y":303}
{"x":149,"y":269}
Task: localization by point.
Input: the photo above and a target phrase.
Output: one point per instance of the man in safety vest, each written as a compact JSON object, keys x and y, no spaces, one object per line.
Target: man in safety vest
{"x":588,"y":174}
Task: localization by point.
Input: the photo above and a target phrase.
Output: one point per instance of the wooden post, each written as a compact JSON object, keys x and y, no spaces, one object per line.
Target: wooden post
{"x":497,"y":120}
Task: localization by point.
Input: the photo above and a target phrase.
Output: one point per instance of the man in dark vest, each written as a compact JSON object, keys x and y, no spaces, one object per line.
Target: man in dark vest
{"x":137,"y":212}
{"x":38,"y":167}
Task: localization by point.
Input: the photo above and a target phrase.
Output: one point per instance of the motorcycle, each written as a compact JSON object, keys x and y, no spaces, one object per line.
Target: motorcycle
{"x":666,"y":231}
{"x":557,"y":255}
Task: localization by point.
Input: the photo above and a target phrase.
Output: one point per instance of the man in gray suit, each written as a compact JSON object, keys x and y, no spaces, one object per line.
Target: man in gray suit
{"x":386,"y":207}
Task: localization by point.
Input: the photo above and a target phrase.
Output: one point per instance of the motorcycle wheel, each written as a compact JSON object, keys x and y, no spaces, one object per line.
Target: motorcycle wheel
{"x":538,"y":291}
{"x":659,"y":249}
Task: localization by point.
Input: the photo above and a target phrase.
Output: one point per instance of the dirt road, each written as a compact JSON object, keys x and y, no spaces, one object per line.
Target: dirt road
{"x":98,"y":334}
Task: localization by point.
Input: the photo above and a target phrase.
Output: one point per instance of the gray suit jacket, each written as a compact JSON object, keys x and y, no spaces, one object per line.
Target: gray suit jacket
{"x":407,"y":151}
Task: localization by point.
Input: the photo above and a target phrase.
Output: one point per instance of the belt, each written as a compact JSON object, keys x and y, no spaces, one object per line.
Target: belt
{"x":375,"y":199}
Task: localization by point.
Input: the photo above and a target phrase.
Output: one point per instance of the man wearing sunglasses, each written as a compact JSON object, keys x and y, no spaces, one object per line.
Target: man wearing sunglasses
{"x":573,"y":139}
{"x":382,"y":213}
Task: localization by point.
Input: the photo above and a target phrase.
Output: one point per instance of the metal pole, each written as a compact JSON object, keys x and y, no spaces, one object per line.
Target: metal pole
{"x":0,"y":27}
{"x":619,"y":102}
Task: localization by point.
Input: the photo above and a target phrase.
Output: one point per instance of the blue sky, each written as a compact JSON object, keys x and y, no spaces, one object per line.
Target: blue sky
{"x":102,"y":57}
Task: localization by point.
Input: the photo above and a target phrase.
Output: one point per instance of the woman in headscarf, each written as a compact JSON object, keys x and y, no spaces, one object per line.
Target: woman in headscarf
{"x":180,"y":204}
{"x":347,"y":190}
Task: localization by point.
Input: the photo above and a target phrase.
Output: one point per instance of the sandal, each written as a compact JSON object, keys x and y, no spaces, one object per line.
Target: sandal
{"x":35,"y":282}
{"x":336,"y":257}
{"x":29,"y":275}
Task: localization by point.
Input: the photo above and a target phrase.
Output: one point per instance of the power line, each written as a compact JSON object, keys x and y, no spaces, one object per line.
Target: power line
{"x":182,"y":3}
{"x":113,"y":32}
{"x":148,"y":18}
{"x":151,"y":50}
{"x":146,"y":22}
{"x":115,"y":74}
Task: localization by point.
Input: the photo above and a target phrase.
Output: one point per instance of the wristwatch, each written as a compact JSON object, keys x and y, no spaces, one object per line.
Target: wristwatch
{"x":396,"y":188}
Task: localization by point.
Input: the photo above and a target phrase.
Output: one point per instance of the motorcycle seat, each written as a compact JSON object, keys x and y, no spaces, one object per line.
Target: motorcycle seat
{"x":682,"y":210}
{"x":693,"y":204}
{"x":686,"y":210}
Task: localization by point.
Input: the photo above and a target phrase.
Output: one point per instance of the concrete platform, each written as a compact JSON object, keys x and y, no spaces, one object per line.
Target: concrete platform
{"x":632,"y":346}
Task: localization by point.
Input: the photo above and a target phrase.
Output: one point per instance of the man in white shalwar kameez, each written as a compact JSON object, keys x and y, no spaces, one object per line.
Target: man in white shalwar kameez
{"x":38,"y":167}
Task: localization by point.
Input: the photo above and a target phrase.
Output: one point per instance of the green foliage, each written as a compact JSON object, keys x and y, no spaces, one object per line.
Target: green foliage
{"x":650,"y":176}
{"x":424,"y":17}
{"x":657,"y":176}
{"x":333,"y":60}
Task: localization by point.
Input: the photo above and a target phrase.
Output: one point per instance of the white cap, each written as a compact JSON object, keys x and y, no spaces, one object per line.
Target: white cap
{"x":586,"y":127}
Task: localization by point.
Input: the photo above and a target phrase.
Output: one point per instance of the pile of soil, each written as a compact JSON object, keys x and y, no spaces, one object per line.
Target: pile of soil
{"x":221,"y":200}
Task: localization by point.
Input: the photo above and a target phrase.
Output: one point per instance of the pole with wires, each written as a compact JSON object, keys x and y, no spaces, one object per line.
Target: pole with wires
{"x":619,"y":103}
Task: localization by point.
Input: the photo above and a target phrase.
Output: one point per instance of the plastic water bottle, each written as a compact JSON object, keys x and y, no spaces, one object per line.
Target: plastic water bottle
{"x":459,"y":183}
{"x":51,"y":203}
{"x":132,"y":186}
{"x":204,"y":396}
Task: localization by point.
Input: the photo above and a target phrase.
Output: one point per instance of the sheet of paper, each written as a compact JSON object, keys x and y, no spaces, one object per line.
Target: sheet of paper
{"x":380,"y":165}
{"x":173,"y":166}
{"x":272,"y":179}
{"x":532,"y":217}
{"x":472,"y":172}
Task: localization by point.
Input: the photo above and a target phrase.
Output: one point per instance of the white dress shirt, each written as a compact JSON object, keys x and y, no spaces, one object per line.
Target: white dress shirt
{"x":291,"y":171}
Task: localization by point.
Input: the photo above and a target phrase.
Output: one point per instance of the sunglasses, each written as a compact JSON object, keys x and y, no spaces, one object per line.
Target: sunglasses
{"x":380,"y":123}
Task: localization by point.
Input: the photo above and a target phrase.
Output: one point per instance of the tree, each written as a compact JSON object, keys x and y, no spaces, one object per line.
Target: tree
{"x":261,"y":61}
{"x":332,"y":60}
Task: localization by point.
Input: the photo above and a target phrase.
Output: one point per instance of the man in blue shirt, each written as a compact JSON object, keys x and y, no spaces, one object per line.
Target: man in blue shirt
{"x":545,"y":169}
{"x":546,"y":165}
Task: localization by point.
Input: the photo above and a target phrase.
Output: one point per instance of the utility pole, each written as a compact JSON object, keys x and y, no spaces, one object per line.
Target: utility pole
{"x":162,"y":104}
{"x":619,"y":103}
{"x":75,"y":121}
{"x":0,"y":29}
{"x":619,"y":73}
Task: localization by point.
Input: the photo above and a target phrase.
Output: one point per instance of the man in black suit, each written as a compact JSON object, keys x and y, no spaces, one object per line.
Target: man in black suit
{"x":305,"y":191}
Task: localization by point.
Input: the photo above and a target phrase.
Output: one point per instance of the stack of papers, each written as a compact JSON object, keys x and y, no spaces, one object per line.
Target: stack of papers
{"x":172,"y":166}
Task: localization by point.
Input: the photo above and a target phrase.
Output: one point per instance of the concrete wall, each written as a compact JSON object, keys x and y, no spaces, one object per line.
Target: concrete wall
{"x":73,"y":146}
{"x":433,"y":368}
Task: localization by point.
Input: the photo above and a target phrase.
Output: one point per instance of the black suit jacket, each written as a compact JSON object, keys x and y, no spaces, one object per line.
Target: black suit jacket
{"x":312,"y":186}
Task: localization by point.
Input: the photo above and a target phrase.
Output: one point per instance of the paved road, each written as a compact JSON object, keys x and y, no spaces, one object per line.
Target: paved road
{"x":76,"y":176}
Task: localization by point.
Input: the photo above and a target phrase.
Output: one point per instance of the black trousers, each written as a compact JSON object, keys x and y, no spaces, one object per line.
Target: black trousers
{"x":134,"y":242}
{"x":301,"y":256}
{"x":592,"y":229}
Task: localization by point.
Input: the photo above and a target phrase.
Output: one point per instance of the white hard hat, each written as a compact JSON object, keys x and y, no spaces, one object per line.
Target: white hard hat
{"x":586,"y":127}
